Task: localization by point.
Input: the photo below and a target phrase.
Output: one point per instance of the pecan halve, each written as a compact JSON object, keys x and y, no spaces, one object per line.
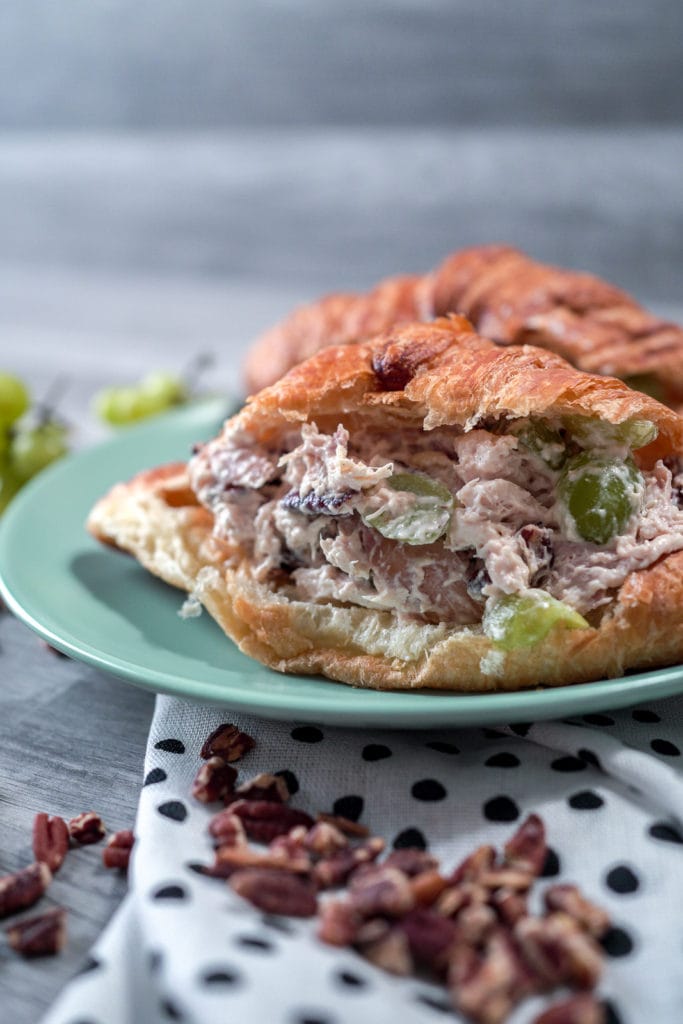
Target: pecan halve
{"x":581,"y":1009}
{"x":430,"y":937}
{"x":263,"y":820}
{"x":87,"y":828}
{"x":50,"y":840}
{"x":381,"y":891}
{"x":338,"y":868}
{"x":228,"y":742}
{"x":527,"y":848}
{"x":345,"y":825}
{"x":276,"y":892}
{"x":559,"y":950}
{"x":116,"y":853}
{"x":264,"y":787}
{"x":570,"y":900}
{"x":215,"y":780}
{"x":23,"y":888}
{"x":44,"y":935}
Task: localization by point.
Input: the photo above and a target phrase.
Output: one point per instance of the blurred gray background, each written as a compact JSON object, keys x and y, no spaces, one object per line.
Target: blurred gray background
{"x":177,"y":173}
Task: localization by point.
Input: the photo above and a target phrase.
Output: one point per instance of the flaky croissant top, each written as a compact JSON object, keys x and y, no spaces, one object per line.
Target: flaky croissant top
{"x":510,"y":299}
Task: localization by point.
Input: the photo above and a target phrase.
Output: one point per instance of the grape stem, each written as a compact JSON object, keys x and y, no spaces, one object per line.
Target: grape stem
{"x":44,"y":410}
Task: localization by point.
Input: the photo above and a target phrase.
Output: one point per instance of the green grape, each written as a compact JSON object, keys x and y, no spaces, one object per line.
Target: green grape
{"x":543,"y":441}
{"x":154,"y":394}
{"x":14,"y":399}
{"x":594,"y":433}
{"x":522,"y":620}
{"x":425,"y":521}
{"x":9,"y":484}
{"x":648,"y":384}
{"x":33,"y":448}
{"x":599,"y":494}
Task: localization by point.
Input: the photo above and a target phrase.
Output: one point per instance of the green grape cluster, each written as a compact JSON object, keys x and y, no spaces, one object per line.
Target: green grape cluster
{"x":522,"y":620}
{"x":155,"y":393}
{"x":25,"y":447}
{"x":425,"y":521}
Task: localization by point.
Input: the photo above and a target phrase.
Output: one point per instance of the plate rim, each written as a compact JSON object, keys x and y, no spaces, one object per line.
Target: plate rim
{"x":407,"y":708}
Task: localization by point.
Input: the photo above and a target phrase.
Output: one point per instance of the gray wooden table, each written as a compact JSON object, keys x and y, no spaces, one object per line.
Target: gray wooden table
{"x":124,"y":254}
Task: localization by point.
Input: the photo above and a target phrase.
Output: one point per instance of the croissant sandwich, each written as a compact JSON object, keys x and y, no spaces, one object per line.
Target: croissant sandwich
{"x":509,"y":298}
{"x":428,"y":510}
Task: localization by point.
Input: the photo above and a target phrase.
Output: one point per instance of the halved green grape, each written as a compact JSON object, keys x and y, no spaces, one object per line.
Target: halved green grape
{"x":599,"y":495}
{"x":522,"y":620}
{"x":9,"y":485}
{"x":33,"y":448}
{"x":14,"y":399}
{"x":594,"y":433}
{"x":425,"y":521}
{"x":543,"y":441}
{"x":154,"y":394}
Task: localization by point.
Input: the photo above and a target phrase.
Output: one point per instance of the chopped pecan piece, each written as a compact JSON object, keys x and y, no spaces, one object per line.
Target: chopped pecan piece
{"x":411,"y":861}
{"x":476,"y":923}
{"x":570,"y":900}
{"x":338,"y":923}
{"x":87,"y":828}
{"x":430,"y":937}
{"x":455,"y":897}
{"x":559,"y":950}
{"x":507,"y":878}
{"x":338,"y":868}
{"x":325,"y":839}
{"x":345,"y":825}
{"x":227,"y":742}
{"x":510,"y":906}
{"x":50,"y":840}
{"x":582,"y":1009}
{"x":486,"y":988}
{"x":23,"y":888}
{"x":263,"y":820}
{"x":215,"y":780}
{"x":482,"y":859}
{"x":116,"y":853}
{"x":235,"y":858}
{"x":527,"y":848}
{"x":276,"y":892}
{"x":227,"y":829}
{"x":292,"y":843}
{"x":427,"y":887}
{"x":44,"y":935}
{"x":391,"y":952}
{"x":383,"y":891}
{"x":264,"y":787}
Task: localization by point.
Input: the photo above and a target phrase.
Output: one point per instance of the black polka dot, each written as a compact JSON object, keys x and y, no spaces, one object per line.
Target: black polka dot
{"x":307,"y":734}
{"x":621,"y":879}
{"x":568,"y":764}
{"x":611,"y":1014}
{"x":667,"y":833}
{"x":154,"y":960}
{"x":173,"y":809}
{"x":598,"y":720}
{"x":551,"y":865}
{"x":172,"y":746}
{"x":220,"y":977}
{"x":156,"y":775}
{"x":666,"y":748}
{"x":589,"y":757}
{"x":503,"y":760}
{"x":171,"y":1010}
{"x":520,"y":728}
{"x":350,"y":981}
{"x":442,"y":747}
{"x":428,"y":789}
{"x":91,"y":964}
{"x":253,"y":942}
{"x":278,"y":924}
{"x":197,"y":867}
{"x":616,"y":942}
{"x":645,"y":715}
{"x":375,"y":752}
{"x":585,"y":800}
{"x":350,"y":807}
{"x":501,"y":808}
{"x":311,"y":1017}
{"x":170,"y":892}
{"x":291,"y":780}
{"x":434,"y":1003}
{"x":410,"y":838}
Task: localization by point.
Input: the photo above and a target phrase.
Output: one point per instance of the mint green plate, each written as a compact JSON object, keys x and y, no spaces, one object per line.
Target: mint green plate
{"x":101,"y":607}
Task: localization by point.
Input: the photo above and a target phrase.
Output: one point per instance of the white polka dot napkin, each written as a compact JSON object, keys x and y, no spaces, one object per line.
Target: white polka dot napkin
{"x":184,"y":947}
